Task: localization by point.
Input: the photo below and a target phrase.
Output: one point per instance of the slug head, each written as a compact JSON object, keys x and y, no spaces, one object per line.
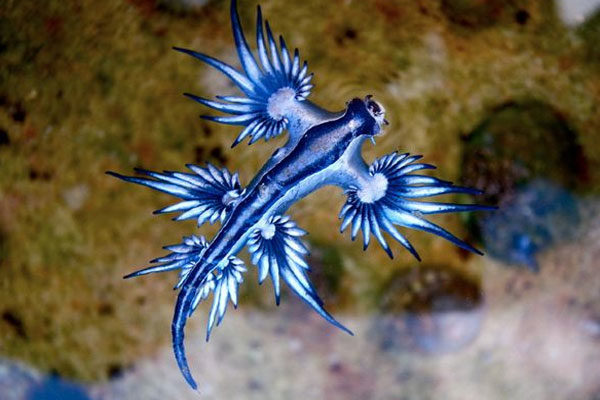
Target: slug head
{"x":376,"y":110}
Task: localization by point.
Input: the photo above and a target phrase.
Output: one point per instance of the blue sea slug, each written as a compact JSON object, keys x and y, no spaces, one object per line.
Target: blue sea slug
{"x":323,"y":148}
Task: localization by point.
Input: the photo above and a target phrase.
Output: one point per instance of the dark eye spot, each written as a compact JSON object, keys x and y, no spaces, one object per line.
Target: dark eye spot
{"x":374,"y":107}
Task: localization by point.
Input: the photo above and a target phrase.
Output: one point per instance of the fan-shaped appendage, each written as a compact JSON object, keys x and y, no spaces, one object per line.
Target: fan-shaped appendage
{"x":206,"y":193}
{"x":270,"y":83}
{"x":390,"y":199}
{"x":276,"y":249}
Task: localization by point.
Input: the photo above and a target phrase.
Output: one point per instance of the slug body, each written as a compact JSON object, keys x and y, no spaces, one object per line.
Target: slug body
{"x":310,"y":165}
{"x":323,"y":148}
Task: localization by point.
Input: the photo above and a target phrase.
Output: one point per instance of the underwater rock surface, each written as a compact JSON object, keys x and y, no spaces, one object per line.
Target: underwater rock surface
{"x":92,"y":86}
{"x":182,"y":6}
{"x":537,"y":216}
{"x":431,"y":309}
{"x":590,"y":31}
{"x":519,"y":352}
{"x":529,"y":162}
{"x":520,"y":142}
{"x":473,"y":13}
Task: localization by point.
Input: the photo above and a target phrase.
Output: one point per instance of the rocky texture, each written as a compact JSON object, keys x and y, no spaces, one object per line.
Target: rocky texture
{"x":431,"y":309}
{"x":92,"y":86}
{"x":538,"y":341}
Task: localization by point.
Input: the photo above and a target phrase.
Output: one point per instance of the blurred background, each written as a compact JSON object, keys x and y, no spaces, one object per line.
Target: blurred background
{"x":503,"y":95}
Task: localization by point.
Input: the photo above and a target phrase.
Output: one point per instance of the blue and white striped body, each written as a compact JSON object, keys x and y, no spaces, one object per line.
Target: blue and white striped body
{"x":308,"y":165}
{"x":323,"y":148}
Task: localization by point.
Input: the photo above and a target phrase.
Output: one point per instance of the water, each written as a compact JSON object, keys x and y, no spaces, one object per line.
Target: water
{"x":503,"y":96}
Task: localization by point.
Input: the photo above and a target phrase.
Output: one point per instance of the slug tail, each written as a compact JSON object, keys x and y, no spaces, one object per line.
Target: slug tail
{"x":182,"y":311}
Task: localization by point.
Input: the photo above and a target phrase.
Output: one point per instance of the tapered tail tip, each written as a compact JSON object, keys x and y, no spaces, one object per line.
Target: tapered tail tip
{"x":182,"y":360}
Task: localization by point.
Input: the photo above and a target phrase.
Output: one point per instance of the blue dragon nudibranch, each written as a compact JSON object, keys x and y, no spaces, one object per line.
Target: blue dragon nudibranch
{"x":323,"y":148}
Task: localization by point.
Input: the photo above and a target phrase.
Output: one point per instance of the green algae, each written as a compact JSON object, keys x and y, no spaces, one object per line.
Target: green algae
{"x":474,"y":14}
{"x":429,"y":288}
{"x":518,"y":143}
{"x":93,"y":86}
{"x":590,"y":32}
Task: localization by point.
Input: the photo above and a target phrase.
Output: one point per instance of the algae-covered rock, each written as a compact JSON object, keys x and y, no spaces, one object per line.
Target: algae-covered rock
{"x":527,"y":160}
{"x":182,"y":6}
{"x":433,"y":309}
{"x":590,"y":32}
{"x":474,"y":13}
{"x":538,"y":215}
{"x":518,"y":143}
{"x":91,"y":86}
